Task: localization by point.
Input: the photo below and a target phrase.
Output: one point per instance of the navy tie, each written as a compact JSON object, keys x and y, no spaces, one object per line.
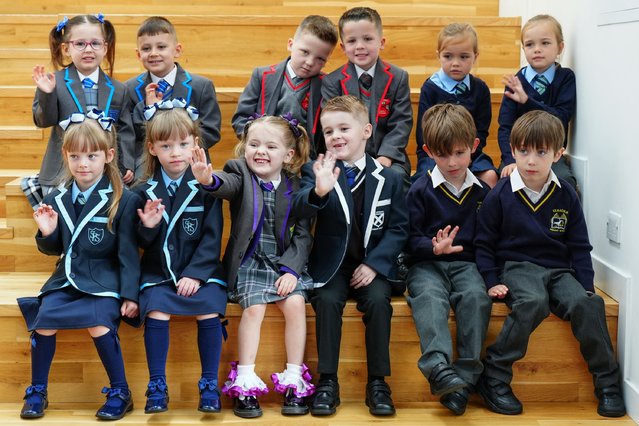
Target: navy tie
{"x":267,"y":186}
{"x":351,"y":174}
{"x":540,"y":83}
{"x":80,"y":201}
{"x":461,"y":88}
{"x":366,"y":80}
{"x":165,"y":88}
{"x":172,"y":188}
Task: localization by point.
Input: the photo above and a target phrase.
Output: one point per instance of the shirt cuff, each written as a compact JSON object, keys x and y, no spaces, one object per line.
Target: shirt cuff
{"x":217,"y":182}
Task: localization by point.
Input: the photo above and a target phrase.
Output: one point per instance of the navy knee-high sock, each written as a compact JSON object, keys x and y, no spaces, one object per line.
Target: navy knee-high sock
{"x":42,"y":351}
{"x":156,"y":342}
{"x":108,"y":347}
{"x":209,"y":342}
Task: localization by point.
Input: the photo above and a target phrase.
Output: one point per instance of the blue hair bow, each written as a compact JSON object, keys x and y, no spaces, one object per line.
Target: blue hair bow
{"x":150,"y":110}
{"x":95,"y":114}
{"x":100,"y":17}
{"x":61,"y":24}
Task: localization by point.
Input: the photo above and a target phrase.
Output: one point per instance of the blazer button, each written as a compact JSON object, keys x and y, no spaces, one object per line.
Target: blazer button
{"x":74,"y":255}
{"x":71,"y":275}
{"x":240,"y":255}
{"x":171,"y":247}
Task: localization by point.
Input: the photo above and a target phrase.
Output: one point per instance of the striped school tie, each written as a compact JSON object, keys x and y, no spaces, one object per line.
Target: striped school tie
{"x":351,"y":174}
{"x":165,"y":88}
{"x":366,"y":80}
{"x":172,"y":189}
{"x":540,"y":83}
{"x":267,"y":186}
{"x":80,"y":199}
{"x":90,"y":94}
{"x":460,"y":88}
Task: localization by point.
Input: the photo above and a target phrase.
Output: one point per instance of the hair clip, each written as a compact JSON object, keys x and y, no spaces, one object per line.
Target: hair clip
{"x":100,"y":17}
{"x":95,"y":114}
{"x":150,"y":110}
{"x":61,"y":24}
{"x":292,"y":124}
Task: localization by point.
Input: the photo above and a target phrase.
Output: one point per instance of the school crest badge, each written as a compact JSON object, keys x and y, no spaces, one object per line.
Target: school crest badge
{"x":559,"y":220}
{"x":378,"y":220}
{"x":95,"y":235}
{"x":384,"y":107}
{"x":305,"y":101}
{"x":189,"y":225}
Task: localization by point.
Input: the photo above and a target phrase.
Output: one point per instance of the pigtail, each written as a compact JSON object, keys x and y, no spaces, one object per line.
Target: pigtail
{"x":109,"y":38}
{"x":302,"y":152}
{"x":56,"y":38}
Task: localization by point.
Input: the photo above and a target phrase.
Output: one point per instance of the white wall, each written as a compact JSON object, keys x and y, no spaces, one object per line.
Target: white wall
{"x":605,"y":135}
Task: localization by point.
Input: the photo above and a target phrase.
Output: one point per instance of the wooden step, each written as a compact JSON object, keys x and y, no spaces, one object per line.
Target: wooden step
{"x":6,"y":176}
{"x":411,"y":43}
{"x":29,"y":150}
{"x":263,"y":7}
{"x":559,"y":375}
{"x":348,"y":413}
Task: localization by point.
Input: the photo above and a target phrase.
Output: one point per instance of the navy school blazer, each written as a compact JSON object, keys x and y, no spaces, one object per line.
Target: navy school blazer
{"x":385,"y":220}
{"x":94,"y":260}
{"x":68,"y":97}
{"x":237,"y":184}
{"x":187,"y":241}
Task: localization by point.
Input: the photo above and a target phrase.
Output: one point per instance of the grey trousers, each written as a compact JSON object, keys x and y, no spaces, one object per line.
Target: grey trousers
{"x":434,"y":288}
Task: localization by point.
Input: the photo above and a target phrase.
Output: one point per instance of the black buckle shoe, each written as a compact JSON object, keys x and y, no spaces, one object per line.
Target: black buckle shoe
{"x":35,"y":402}
{"x":247,"y":407}
{"x":443,"y":379}
{"x":293,"y":404}
{"x":610,"y":402}
{"x":499,"y":396}
{"x":118,"y":403}
{"x":326,"y":398}
{"x":157,"y":396}
{"x":209,"y":397}
{"x":456,"y":401}
{"x":378,"y":398}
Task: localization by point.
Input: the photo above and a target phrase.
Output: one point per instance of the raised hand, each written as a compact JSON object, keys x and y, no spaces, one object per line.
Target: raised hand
{"x":443,"y":241}
{"x":46,"y":218}
{"x":45,"y":81}
{"x":152,"y":213}
{"x":201,"y":168}
{"x":326,"y":173}
{"x":517,"y":92}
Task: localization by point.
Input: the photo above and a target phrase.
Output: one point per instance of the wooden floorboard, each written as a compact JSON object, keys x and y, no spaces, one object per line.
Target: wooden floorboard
{"x":432,"y":413}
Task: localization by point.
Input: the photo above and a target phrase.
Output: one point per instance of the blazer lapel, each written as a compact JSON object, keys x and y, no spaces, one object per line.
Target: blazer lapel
{"x":142,"y":81}
{"x":105,"y":93}
{"x":283,"y":210}
{"x":182,"y":87}
{"x":373,"y":185}
{"x":381,"y":83}
{"x":74,"y":87}
{"x":65,"y":206}
{"x":348,"y":81}
{"x":272,"y":81}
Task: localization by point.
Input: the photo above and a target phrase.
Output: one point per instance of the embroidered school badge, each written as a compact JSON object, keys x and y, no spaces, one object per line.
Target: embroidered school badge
{"x":189,"y":225}
{"x":378,"y":220}
{"x":305,"y":100}
{"x":559,"y":220}
{"x":95,"y":235}
{"x":384,"y":107}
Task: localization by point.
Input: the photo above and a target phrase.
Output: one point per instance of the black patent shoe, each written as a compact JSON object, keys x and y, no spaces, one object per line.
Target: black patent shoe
{"x":117,"y":405}
{"x":499,"y":396}
{"x":209,"y":397}
{"x":456,"y":401}
{"x":610,"y":402}
{"x":378,"y":398}
{"x":326,"y":398}
{"x":35,"y":402}
{"x":157,"y":396}
{"x":444,"y":379}
{"x":293,"y":404}
{"x":247,"y":407}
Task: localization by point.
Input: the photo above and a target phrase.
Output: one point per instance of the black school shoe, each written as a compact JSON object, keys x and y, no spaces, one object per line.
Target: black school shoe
{"x":326,"y":398}
{"x":293,"y":404}
{"x":499,"y":396}
{"x":247,"y":407}
{"x":456,"y":401}
{"x":378,"y":398}
{"x":35,"y":402}
{"x":610,"y":402}
{"x":117,"y":405}
{"x":444,"y":379}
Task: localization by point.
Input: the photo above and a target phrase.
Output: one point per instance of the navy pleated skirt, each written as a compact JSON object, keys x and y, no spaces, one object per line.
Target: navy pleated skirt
{"x":209,"y":299}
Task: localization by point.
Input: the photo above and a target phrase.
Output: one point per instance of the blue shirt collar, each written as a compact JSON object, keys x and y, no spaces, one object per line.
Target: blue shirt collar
{"x":75,"y":191}
{"x":530,"y":73}
{"x":444,"y":82}
{"x":167,"y":180}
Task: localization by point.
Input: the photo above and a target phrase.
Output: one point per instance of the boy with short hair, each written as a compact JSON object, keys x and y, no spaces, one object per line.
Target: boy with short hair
{"x":442,"y":207}
{"x":382,"y":87}
{"x":157,"y":49}
{"x":533,"y":251}
{"x":294,"y":85}
{"x":361,"y":228}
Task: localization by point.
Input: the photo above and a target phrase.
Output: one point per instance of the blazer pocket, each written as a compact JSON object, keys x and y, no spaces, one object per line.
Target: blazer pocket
{"x":103,"y":273}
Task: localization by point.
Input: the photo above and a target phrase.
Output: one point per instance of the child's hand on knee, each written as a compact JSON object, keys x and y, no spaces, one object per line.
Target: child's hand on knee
{"x":498,"y":292}
{"x":286,"y":284}
{"x":187,"y":287}
{"x":326,"y":174}
{"x":129,"y":309}
{"x":362,"y":276}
